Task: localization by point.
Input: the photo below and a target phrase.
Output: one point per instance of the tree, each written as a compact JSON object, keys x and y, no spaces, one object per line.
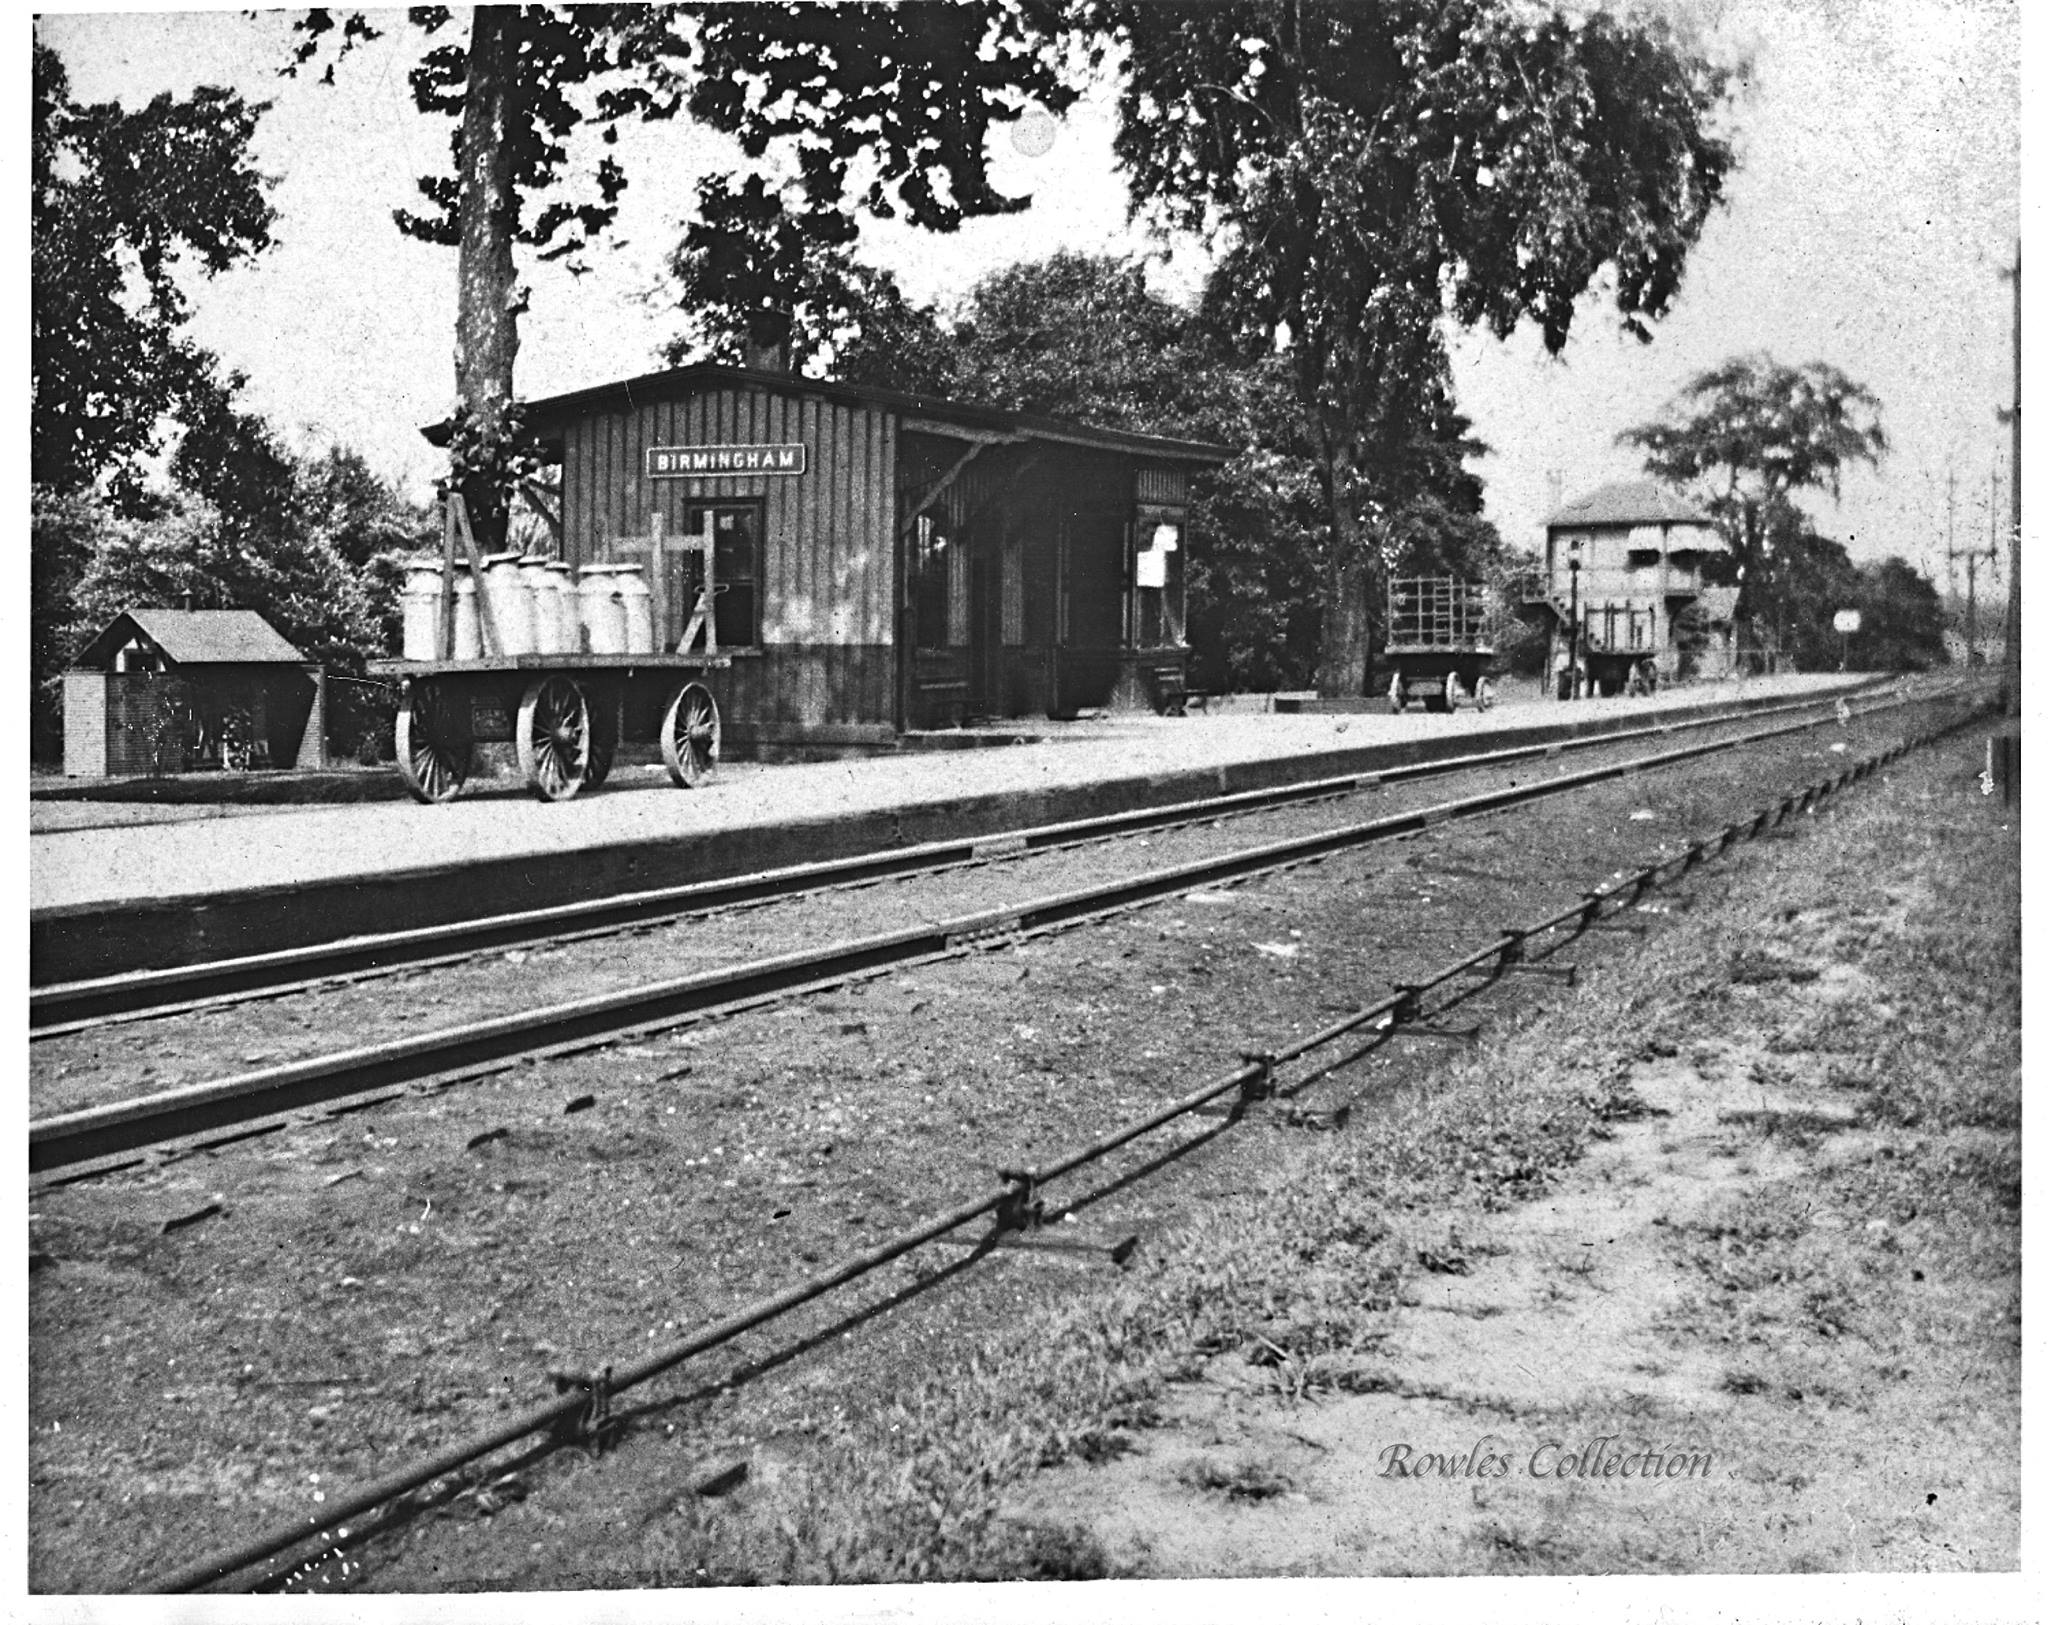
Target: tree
{"x":1749,"y":434}
{"x":1817,"y":580}
{"x":1373,"y":168}
{"x":885,"y":109}
{"x":845,"y":319}
{"x":1081,"y":336}
{"x":1902,"y":620}
{"x":122,"y":205}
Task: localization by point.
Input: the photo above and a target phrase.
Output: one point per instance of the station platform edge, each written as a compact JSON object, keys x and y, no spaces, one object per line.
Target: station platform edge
{"x":111,"y":935}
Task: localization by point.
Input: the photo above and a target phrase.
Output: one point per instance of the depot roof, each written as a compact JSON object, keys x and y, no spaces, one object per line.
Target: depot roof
{"x":932,"y":414}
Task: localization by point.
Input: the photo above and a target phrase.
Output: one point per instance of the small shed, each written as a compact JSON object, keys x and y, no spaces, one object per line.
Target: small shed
{"x":168,"y":690}
{"x":882,"y":562}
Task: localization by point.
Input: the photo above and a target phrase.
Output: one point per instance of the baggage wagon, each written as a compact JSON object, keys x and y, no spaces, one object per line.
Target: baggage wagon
{"x":1440,"y":642}
{"x":513,"y":663}
{"x":565,"y":715}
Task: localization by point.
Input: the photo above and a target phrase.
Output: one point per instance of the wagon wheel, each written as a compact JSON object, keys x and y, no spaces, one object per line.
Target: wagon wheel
{"x":553,"y":739}
{"x":1482,"y":694}
{"x":690,"y":735}
{"x":1397,"y":692}
{"x":433,"y":742}
{"x":604,"y":739}
{"x":1454,"y":691}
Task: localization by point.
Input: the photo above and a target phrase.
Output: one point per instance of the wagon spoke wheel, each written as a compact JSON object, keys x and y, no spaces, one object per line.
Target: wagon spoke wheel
{"x":1454,"y":692}
{"x":690,"y":736}
{"x":433,"y":743}
{"x":604,"y":739}
{"x":1482,"y":694}
{"x":553,"y":741}
{"x":1397,"y":694}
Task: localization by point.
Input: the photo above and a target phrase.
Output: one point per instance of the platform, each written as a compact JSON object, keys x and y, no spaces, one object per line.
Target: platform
{"x":163,"y":886}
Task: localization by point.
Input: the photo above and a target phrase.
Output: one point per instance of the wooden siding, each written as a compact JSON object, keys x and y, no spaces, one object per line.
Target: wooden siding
{"x":1163,"y":485}
{"x":828,"y":558}
{"x":789,"y":692}
{"x":85,"y":724}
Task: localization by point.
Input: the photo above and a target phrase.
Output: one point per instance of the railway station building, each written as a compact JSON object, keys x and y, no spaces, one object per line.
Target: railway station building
{"x":1630,"y":559}
{"x":882,"y":563}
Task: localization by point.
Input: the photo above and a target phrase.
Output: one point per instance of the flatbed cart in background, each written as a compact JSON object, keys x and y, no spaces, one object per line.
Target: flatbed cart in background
{"x":1440,"y":642}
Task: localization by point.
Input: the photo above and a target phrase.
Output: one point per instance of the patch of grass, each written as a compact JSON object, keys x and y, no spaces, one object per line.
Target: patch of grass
{"x":1751,"y":967}
{"x":1236,"y":1481}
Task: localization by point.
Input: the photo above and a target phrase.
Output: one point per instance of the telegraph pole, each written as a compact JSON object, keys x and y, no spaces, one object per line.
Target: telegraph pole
{"x":1970,"y":556}
{"x":2012,"y":587}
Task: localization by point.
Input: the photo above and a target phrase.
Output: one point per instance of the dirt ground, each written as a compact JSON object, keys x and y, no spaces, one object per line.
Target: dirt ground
{"x":348,"y":1293}
{"x":1769,"y":1326}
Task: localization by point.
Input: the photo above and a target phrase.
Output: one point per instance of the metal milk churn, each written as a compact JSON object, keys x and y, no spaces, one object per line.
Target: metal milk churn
{"x":544,"y":592}
{"x":420,"y":603}
{"x":510,"y":603}
{"x":638,"y":604}
{"x":603,"y":612}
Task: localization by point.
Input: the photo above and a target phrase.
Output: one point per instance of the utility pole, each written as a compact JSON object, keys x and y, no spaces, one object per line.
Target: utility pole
{"x":2012,"y":586}
{"x":1970,"y":556}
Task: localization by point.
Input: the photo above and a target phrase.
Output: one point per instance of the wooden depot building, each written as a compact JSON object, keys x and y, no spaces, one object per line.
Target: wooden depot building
{"x":881,"y":562}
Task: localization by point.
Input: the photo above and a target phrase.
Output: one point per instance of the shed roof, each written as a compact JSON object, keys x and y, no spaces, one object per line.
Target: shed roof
{"x":938,"y":415}
{"x":1630,"y":502}
{"x":196,"y":637}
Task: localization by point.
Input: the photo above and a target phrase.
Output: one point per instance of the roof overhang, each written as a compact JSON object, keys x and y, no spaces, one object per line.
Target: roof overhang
{"x":917,"y":414}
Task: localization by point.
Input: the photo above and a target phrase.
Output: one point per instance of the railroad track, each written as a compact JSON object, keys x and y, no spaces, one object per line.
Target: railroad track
{"x":105,"y":1138}
{"x":582,"y":1411}
{"x":60,"y":1008}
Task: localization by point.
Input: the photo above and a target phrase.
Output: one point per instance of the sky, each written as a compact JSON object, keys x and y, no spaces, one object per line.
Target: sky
{"x":1877,"y":201}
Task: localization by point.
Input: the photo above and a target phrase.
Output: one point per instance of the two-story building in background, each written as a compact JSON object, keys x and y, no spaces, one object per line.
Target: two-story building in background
{"x":1627,"y":558}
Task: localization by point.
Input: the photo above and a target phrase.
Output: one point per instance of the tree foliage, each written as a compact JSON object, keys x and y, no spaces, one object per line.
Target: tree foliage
{"x":832,"y":314}
{"x":123,"y":204}
{"x":1902,"y":621}
{"x":1749,"y":435}
{"x":1371,"y":169}
{"x":877,"y":109}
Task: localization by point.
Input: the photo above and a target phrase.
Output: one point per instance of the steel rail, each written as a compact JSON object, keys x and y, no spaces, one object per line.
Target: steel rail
{"x":58,"y":1008}
{"x":584,"y":1414}
{"x":121,"y":1128}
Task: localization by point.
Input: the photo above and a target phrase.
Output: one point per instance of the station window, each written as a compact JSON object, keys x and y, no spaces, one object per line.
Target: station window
{"x":1159,"y":574}
{"x":736,"y":565}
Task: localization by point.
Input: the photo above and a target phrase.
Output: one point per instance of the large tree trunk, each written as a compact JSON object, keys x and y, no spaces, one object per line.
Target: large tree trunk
{"x":1346,"y":635}
{"x":486,"y":314}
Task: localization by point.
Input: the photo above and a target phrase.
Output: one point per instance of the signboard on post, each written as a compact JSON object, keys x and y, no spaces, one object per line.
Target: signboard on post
{"x":1848,"y":620}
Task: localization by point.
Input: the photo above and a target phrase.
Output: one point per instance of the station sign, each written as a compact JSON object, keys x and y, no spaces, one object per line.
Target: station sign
{"x":1848,"y":620}
{"x":723,"y":462}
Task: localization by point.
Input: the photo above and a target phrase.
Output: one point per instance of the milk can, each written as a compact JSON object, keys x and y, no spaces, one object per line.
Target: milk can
{"x":421,"y":603}
{"x":510,"y":603}
{"x":544,"y":592}
{"x":468,"y":638}
{"x":638,"y":604}
{"x":602,"y":610}
{"x":568,"y":617}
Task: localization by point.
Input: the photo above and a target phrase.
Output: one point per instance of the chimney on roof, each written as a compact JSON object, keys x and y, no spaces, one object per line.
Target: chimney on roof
{"x":767,"y":343}
{"x":767,"y":357}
